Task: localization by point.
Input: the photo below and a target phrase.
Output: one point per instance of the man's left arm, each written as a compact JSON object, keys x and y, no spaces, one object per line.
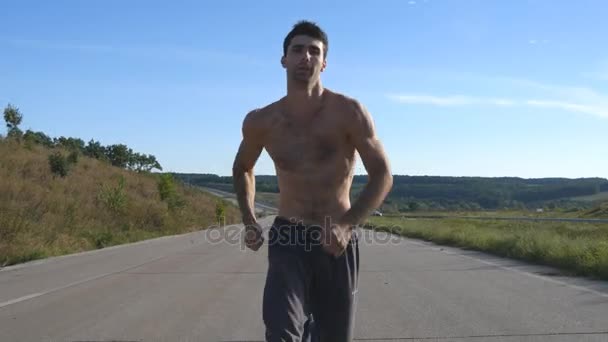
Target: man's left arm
{"x":363,"y":135}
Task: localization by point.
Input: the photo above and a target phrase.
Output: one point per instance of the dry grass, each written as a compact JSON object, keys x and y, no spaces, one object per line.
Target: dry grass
{"x":44,"y":215}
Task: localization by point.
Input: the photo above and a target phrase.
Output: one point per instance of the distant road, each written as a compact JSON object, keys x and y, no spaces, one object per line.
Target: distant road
{"x":263,"y":208}
{"x":259,"y":207}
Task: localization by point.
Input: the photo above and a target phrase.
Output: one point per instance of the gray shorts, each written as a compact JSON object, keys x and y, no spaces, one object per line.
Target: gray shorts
{"x":309,"y":294}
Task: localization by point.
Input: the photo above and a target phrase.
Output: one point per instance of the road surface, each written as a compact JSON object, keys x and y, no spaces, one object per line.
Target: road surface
{"x":204,"y":286}
{"x":259,"y":207}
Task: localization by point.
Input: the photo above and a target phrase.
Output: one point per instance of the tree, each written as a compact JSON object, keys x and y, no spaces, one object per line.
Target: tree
{"x":119,"y":155}
{"x":94,"y":149}
{"x":13,"y":118}
{"x":38,"y":138}
{"x":143,"y":162}
{"x":150,"y":162}
{"x":75,"y":144}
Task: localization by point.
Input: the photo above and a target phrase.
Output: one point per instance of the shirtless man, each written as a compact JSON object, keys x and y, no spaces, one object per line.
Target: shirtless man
{"x":312,"y":135}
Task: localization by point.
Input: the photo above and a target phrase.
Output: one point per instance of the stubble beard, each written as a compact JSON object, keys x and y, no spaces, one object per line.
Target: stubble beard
{"x":305,"y":79}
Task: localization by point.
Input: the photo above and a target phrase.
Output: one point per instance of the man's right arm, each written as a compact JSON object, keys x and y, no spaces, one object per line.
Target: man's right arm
{"x":242,"y":169}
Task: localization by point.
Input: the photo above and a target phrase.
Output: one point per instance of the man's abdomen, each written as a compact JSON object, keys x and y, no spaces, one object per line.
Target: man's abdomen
{"x":313,"y":204}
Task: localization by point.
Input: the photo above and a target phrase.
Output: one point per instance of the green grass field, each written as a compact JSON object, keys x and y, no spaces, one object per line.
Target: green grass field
{"x":576,"y":248}
{"x":599,"y":211}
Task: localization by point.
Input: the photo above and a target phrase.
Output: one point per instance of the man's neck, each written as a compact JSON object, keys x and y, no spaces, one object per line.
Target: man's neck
{"x":302,"y":96}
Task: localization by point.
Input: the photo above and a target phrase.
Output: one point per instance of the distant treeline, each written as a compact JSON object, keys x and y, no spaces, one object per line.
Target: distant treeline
{"x":118,"y":155}
{"x":436,"y":192}
{"x":493,"y":193}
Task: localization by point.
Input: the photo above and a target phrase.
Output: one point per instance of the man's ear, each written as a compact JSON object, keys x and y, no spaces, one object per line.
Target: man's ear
{"x":283,"y":61}
{"x":324,"y":65}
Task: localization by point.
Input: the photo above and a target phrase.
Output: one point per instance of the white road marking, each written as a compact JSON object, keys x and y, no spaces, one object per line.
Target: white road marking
{"x":20,"y":299}
{"x":34,"y":295}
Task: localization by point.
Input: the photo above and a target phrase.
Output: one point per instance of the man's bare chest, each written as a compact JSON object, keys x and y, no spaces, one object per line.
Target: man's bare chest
{"x":295,"y":144}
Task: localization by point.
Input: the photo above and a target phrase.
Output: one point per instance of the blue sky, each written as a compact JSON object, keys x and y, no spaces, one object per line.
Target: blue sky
{"x":456,"y":88}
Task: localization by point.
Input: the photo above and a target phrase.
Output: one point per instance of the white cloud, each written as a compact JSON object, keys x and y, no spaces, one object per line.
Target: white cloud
{"x":573,"y":107}
{"x":595,"y":104}
{"x":456,"y":100}
{"x":412,"y":2}
{"x":538,"y":41}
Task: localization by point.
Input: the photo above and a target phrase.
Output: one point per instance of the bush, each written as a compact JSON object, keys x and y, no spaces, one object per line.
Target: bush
{"x":114,"y":199}
{"x":59,"y":164}
{"x":220,"y":212}
{"x":168,"y":192}
{"x":73,"y":157}
{"x":166,"y":187}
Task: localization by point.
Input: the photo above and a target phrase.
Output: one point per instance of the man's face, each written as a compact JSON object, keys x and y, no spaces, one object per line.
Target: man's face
{"x":304,"y":60}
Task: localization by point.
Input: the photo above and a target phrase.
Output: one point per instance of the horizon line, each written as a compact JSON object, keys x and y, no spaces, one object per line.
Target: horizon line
{"x":406,"y":175}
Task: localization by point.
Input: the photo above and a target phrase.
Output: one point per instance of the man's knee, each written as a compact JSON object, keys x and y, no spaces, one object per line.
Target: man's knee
{"x":283,"y":311}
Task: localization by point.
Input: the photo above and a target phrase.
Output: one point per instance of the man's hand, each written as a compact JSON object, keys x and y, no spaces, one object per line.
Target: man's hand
{"x":253,"y":236}
{"x":335,"y":238}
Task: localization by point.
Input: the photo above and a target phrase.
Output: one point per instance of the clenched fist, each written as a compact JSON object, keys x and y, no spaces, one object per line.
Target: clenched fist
{"x":335,"y":238}
{"x":253,"y":236}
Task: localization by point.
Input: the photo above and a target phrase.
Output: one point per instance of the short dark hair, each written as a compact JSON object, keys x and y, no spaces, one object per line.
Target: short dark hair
{"x":308,"y":28}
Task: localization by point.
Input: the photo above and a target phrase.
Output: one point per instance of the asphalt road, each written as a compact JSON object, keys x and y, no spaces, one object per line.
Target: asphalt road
{"x":259,"y":207}
{"x":204,"y":286}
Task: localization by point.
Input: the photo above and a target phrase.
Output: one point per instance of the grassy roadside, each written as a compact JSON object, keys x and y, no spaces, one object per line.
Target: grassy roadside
{"x":576,"y":248}
{"x":600,"y":211}
{"x":96,"y":205}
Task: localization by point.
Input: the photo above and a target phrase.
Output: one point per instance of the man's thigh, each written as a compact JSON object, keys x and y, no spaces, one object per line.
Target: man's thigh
{"x":334,"y":291}
{"x":286,"y":295}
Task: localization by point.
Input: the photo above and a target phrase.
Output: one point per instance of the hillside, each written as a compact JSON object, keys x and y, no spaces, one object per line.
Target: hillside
{"x":95,"y":205}
{"x":414,"y":193}
{"x":601,"y":211}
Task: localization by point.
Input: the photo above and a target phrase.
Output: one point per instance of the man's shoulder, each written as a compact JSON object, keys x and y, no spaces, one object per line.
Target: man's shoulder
{"x":349,"y":104}
{"x":256,"y":118}
{"x":260,"y":113}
